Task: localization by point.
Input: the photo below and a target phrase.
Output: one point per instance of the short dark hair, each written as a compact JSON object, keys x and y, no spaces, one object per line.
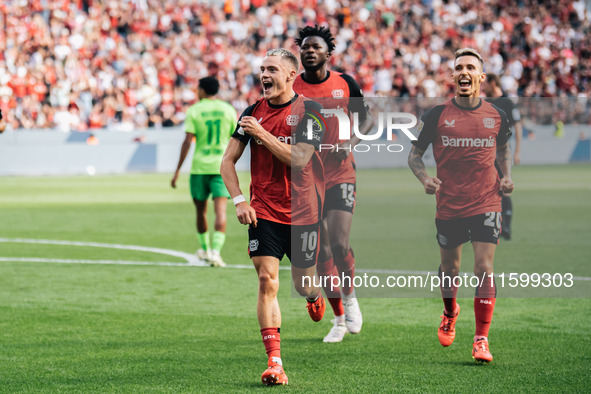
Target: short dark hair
{"x":210,"y":85}
{"x":319,"y":31}
{"x":493,"y":78}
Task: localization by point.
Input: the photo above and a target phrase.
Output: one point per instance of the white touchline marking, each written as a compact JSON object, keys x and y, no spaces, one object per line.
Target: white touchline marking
{"x":191,"y":259}
{"x":77,"y":261}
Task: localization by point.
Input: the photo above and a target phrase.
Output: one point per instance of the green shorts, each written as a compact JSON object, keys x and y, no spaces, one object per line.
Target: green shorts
{"x":202,"y":186}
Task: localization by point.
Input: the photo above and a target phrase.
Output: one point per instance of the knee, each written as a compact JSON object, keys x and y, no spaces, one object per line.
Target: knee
{"x":220,"y":221}
{"x":307,"y":291}
{"x":324,"y":253}
{"x":267,"y":284}
{"x":450,"y":267}
{"x":482,"y":266}
{"x":340,"y":249}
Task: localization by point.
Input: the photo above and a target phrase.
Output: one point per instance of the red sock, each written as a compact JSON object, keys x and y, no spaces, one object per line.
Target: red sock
{"x":347,"y":269}
{"x":272,"y":341}
{"x":484,"y":305}
{"x":327,"y":269}
{"x":448,"y":292}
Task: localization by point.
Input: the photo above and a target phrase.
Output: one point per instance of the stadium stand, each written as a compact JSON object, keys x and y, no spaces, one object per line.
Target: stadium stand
{"x":134,"y":64}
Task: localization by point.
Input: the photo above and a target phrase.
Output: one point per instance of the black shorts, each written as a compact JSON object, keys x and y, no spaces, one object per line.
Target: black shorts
{"x":340,"y":197}
{"x":485,"y":227}
{"x":299,"y":243}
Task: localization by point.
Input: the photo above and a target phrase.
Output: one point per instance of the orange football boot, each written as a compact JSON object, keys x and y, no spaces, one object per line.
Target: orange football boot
{"x":316,"y":309}
{"x":447,"y":328}
{"x":274,"y":375}
{"x":480,"y":351}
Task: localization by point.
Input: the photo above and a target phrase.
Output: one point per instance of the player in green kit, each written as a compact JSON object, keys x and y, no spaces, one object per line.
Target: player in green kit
{"x":211,"y":122}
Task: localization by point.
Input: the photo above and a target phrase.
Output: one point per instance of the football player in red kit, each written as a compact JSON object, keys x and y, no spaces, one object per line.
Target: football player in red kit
{"x":335,"y":90}
{"x":285,"y":167}
{"x":468,"y":134}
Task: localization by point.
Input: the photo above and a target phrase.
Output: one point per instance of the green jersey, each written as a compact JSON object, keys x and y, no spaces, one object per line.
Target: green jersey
{"x":212,"y":122}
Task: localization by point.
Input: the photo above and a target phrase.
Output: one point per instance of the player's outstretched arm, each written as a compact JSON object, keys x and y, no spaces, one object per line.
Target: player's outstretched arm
{"x":504,"y":163}
{"x":416,"y":164}
{"x":245,"y":213}
{"x":184,"y":150}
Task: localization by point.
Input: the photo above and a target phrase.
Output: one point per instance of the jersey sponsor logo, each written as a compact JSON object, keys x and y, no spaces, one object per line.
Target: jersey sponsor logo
{"x":282,"y":138}
{"x":253,"y":245}
{"x":450,"y":124}
{"x":292,"y":120}
{"x":489,"y":123}
{"x":285,"y":139}
{"x":468,"y":142}
{"x":338,"y":93}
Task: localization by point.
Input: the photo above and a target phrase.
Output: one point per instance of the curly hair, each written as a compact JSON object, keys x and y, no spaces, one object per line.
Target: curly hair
{"x":321,"y":32}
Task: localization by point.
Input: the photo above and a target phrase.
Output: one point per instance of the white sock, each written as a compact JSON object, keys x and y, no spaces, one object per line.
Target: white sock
{"x":348,"y":297}
{"x":479,"y":337}
{"x":339,"y":319}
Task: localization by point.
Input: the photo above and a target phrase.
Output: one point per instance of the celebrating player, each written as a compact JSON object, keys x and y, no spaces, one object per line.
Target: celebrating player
{"x":467,"y":134}
{"x":211,"y":122}
{"x":492,"y":89}
{"x":284,"y":167}
{"x":335,"y":90}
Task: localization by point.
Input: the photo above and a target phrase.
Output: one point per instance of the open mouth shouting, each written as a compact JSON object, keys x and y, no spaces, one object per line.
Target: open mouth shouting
{"x":465,"y":83}
{"x":267,"y":86}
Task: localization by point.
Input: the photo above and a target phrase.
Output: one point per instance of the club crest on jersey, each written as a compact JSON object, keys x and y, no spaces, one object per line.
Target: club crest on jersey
{"x":292,"y":120}
{"x":489,"y":123}
{"x":338,"y":93}
{"x":450,"y":124}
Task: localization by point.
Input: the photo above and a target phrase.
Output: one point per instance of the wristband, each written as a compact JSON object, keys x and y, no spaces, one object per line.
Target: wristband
{"x":238,"y":199}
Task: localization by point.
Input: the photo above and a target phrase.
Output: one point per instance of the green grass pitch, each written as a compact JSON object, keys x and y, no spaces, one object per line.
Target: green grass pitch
{"x":155,"y":328}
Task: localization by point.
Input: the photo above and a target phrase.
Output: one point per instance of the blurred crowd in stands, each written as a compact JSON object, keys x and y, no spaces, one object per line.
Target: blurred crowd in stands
{"x":134,"y":64}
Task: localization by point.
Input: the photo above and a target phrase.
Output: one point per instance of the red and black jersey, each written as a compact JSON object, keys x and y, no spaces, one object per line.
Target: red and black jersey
{"x":464,"y":147}
{"x":278,"y":193}
{"x":336,"y":91}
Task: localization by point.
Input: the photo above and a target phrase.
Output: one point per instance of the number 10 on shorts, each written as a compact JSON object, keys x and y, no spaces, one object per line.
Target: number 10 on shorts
{"x":309,"y":240}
